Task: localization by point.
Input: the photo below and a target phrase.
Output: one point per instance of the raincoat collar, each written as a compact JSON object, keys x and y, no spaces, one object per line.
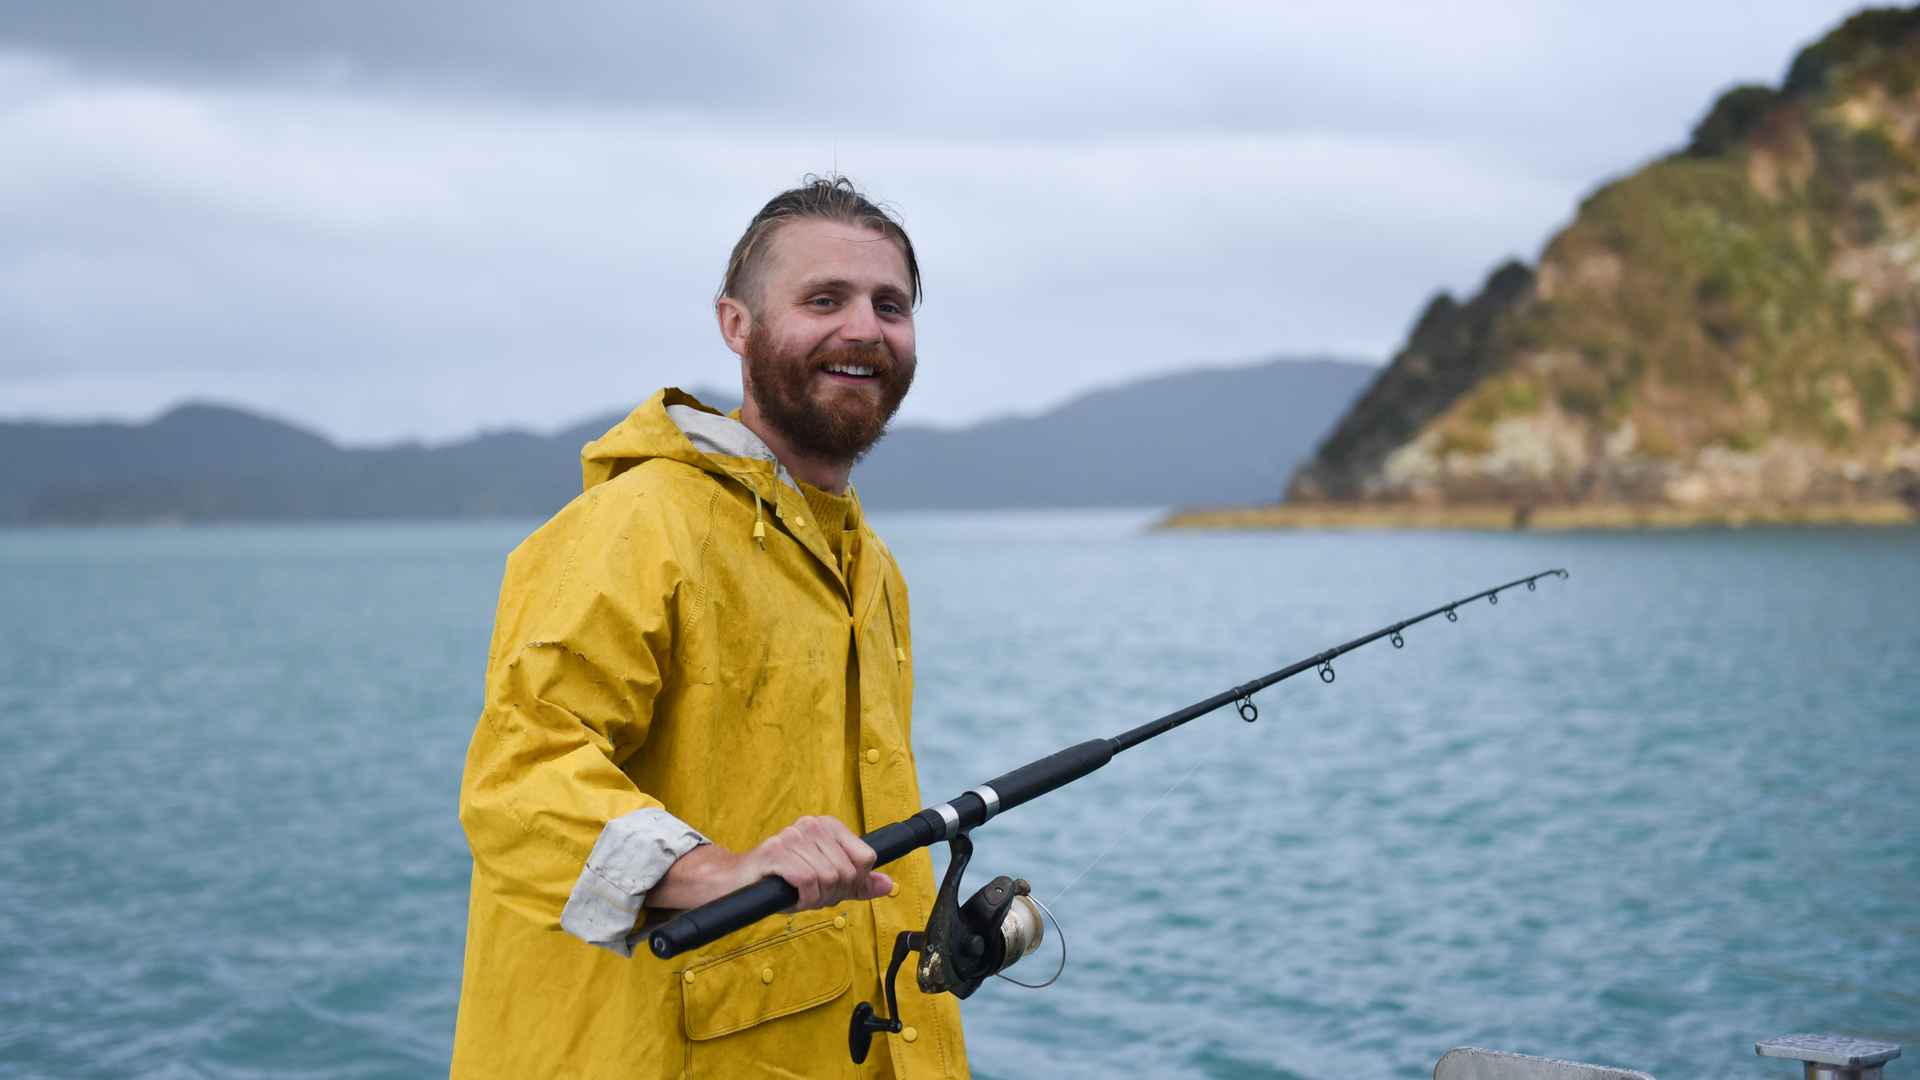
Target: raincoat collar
{"x":675,"y":425}
{"x":714,"y":444}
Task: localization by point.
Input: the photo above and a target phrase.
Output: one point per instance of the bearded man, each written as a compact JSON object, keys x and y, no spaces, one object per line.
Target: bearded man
{"x":701,"y":674}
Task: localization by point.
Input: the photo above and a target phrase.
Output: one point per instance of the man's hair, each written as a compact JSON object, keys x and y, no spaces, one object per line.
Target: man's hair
{"x":824,"y":198}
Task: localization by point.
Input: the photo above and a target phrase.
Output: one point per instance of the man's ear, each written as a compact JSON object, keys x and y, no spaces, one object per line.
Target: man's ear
{"x":736,"y":322}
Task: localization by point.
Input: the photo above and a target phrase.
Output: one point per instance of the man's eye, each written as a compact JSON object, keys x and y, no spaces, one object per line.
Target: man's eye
{"x":888,"y":307}
{"x":821,"y":301}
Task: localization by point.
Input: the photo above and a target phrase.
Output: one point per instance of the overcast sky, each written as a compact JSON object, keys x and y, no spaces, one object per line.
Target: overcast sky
{"x":392,"y":220}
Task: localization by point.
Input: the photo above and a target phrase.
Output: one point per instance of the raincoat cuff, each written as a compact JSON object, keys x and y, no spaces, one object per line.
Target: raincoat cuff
{"x":631,"y":856}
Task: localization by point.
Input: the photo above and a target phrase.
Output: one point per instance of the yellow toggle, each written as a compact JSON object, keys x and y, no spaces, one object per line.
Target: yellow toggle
{"x":899,"y":655}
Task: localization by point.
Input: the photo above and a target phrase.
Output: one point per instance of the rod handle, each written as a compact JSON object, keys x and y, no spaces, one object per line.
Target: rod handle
{"x":717,"y":918}
{"x":749,"y":904}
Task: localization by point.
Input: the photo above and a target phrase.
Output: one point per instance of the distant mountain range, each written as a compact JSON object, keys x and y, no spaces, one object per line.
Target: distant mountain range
{"x":1220,"y":435}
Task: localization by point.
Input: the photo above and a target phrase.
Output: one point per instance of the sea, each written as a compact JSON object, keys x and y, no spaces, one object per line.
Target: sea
{"x":1644,"y":816}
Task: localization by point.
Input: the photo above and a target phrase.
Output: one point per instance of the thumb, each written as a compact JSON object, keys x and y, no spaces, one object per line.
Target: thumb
{"x":877,"y":886}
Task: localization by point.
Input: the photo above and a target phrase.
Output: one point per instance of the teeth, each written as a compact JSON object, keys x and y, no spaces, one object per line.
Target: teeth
{"x":850,"y":369}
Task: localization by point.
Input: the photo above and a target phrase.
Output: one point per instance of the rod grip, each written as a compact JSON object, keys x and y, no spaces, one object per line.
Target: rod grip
{"x":749,"y":904}
{"x":718,"y":918}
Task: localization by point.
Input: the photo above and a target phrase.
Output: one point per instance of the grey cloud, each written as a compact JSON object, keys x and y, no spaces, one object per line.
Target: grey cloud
{"x":1495,"y":74}
{"x":642,"y":54}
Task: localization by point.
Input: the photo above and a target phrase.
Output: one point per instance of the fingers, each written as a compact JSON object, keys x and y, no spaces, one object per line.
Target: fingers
{"x":877,"y":885}
{"x":824,"y":861}
{"x":833,"y":851}
{"x":809,"y":872}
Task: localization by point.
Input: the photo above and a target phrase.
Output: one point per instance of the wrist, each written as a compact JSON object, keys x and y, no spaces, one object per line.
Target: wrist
{"x":703,"y":874}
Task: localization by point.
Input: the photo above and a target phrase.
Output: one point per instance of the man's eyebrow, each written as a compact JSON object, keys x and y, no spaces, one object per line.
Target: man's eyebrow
{"x":825,"y":284}
{"x":808,"y":286}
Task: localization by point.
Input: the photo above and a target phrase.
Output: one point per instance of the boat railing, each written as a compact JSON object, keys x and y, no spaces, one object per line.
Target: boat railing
{"x":1822,"y":1057}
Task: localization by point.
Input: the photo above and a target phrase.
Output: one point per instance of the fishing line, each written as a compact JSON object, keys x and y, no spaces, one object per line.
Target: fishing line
{"x":1121,"y":837}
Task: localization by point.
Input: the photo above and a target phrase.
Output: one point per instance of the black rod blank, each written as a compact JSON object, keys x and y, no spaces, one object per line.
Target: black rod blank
{"x":749,"y":904}
{"x":1322,"y":661}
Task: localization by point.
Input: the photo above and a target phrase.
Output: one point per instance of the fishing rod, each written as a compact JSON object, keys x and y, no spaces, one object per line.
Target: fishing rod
{"x":963,"y":944}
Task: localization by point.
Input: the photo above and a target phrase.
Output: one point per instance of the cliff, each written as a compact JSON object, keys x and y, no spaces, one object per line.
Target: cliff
{"x":1735,"y":325}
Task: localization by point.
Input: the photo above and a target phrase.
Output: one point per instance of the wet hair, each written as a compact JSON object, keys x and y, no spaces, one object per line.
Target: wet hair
{"x":822,"y":198}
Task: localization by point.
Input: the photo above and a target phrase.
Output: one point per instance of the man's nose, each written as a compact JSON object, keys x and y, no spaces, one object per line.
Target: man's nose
{"x":862,"y":324}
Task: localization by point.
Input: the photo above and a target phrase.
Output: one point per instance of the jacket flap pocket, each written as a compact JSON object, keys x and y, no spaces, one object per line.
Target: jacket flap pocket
{"x":773,"y":978}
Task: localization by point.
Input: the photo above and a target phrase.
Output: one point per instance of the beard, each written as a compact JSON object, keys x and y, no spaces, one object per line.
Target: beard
{"x":834,"y":423}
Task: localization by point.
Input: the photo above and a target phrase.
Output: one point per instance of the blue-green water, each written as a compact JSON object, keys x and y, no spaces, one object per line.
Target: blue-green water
{"x":1644,"y":816}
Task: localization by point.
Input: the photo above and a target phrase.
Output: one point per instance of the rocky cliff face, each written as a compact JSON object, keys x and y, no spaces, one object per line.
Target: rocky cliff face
{"x":1738,"y":323}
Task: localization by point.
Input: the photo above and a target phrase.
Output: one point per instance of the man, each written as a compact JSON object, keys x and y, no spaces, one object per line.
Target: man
{"x":701,"y":674}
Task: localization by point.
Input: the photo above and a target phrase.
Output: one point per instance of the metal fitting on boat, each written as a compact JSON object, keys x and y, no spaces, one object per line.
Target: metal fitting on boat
{"x":1831,"y":1057}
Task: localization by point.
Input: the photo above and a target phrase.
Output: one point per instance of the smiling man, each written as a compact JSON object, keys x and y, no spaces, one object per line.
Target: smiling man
{"x":701,"y":674}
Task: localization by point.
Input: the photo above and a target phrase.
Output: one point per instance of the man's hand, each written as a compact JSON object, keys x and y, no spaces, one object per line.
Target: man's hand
{"x":819,"y":856}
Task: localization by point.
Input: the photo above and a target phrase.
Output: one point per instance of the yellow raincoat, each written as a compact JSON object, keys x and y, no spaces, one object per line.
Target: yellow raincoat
{"x":679,"y":655}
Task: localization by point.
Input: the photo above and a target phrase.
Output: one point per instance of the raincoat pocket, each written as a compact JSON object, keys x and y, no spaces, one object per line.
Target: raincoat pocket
{"x":789,"y":974}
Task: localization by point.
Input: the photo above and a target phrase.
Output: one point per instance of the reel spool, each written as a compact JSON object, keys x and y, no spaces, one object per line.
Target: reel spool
{"x":1023,"y":929}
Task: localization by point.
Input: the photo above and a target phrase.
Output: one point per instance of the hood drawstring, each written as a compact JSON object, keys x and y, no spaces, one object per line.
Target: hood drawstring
{"x":759,"y":511}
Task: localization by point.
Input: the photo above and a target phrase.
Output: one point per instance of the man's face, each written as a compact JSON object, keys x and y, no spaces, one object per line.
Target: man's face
{"x":830,"y":354}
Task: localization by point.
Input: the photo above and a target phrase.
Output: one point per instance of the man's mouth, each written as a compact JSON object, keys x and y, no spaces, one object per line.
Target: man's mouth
{"x":851,"y":371}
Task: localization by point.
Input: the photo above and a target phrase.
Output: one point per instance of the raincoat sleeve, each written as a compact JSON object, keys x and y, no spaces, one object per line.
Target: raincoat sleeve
{"x":559,"y":832}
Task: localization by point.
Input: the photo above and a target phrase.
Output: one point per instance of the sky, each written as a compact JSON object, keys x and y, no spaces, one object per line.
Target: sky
{"x":422,"y":220}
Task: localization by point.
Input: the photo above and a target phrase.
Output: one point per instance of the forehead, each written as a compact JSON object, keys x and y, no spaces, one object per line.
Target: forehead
{"x":810,"y":249}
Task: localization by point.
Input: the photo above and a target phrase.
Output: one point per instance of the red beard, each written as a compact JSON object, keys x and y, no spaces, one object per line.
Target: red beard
{"x":835,"y":423}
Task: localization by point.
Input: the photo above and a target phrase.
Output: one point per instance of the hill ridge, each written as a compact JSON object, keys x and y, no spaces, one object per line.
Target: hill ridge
{"x":1158,"y":440}
{"x":1736,"y":323}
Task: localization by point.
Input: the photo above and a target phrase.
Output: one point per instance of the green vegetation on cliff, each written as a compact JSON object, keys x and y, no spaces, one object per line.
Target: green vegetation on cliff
{"x":1736,"y":323}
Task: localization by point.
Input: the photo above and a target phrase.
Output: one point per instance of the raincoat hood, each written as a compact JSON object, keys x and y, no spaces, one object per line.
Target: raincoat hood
{"x":675,"y":425}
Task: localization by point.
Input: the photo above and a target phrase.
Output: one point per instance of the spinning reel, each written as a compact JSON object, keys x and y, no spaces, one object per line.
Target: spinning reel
{"x":962,"y":945}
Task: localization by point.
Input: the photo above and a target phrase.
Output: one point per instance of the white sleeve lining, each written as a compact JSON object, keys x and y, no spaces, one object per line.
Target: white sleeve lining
{"x":631,"y":856}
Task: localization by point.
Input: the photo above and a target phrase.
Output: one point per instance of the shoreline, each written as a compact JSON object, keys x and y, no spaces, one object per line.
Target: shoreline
{"x":1504,"y":518}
